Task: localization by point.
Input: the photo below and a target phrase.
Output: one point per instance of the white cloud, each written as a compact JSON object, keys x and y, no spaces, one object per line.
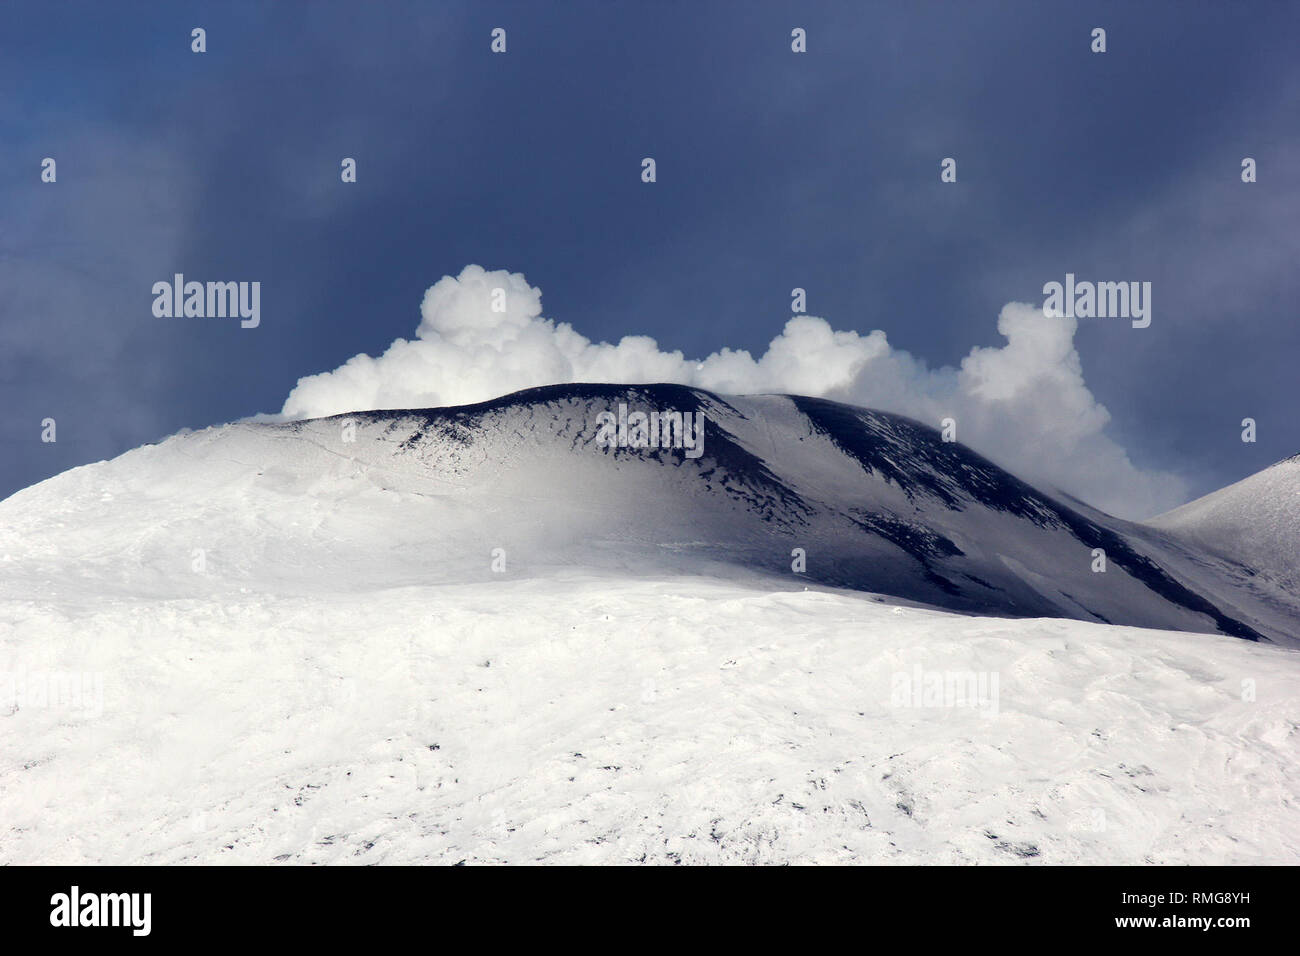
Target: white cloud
{"x":1025,"y":404}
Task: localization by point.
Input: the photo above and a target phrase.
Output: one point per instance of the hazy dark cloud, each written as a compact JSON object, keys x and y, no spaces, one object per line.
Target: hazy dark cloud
{"x":775,"y":171}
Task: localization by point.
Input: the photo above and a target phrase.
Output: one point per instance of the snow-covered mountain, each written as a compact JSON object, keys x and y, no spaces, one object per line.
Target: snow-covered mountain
{"x":875,"y":502}
{"x":1254,"y":522}
{"x":476,"y":634}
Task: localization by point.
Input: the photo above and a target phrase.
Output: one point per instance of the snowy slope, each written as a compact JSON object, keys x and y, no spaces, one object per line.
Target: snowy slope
{"x":263,"y":643}
{"x":584,"y":718}
{"x":1255,"y":522}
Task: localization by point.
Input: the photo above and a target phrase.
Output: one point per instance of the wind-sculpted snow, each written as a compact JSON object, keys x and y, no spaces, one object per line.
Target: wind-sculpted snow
{"x":594,"y":718}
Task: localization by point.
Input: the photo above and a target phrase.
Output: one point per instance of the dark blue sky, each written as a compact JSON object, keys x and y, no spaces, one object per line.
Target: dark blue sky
{"x":775,"y":170}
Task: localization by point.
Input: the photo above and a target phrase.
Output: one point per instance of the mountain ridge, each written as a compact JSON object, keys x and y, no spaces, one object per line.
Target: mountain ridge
{"x":876,"y":501}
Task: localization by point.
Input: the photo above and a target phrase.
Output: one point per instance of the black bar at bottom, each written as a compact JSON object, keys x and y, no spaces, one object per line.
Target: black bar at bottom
{"x":333,"y":905}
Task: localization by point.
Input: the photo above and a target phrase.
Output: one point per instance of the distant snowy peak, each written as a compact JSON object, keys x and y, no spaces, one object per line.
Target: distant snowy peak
{"x":780,"y":491}
{"x":1255,"y":521}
